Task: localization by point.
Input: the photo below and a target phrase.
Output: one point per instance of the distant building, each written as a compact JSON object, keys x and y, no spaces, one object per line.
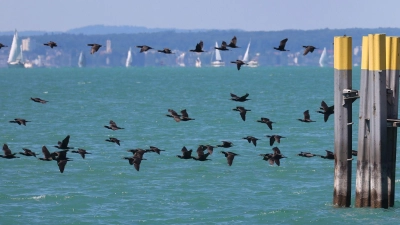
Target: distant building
{"x":108,"y":46}
{"x":28,"y":44}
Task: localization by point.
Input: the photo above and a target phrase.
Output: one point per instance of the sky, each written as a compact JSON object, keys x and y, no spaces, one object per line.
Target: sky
{"x":248,"y":15}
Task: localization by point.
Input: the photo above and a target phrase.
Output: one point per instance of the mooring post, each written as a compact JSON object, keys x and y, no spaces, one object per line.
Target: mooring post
{"x":392,"y":87}
{"x":363,"y":197}
{"x":343,"y":121}
{"x":378,"y":121}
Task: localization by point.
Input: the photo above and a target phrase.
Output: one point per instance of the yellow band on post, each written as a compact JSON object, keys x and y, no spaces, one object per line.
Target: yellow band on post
{"x":392,"y":53}
{"x":364,"y":53}
{"x":342,"y":53}
{"x":377,"y":49}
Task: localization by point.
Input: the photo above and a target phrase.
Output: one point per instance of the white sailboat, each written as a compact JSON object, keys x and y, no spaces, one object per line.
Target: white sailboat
{"x":253,"y":62}
{"x":15,"y":58}
{"x":180,"y":60}
{"x":198,"y":62}
{"x":129,"y":58}
{"x":323,"y":58}
{"x":82,"y":60}
{"x":218,"y":60}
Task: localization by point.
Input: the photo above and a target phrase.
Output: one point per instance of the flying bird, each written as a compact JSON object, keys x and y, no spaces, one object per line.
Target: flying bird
{"x":7,"y":153}
{"x":39,"y":100}
{"x":229,"y":157}
{"x":239,"y":99}
{"x":81,"y":152}
{"x":27,"y":152}
{"x":273,"y":138}
{"x":113,"y":126}
{"x":307,"y":154}
{"x":251,"y":139}
{"x":223,"y":47}
{"x":166,"y":51}
{"x":199,"y":47}
{"x":113,"y":139}
{"x":273,"y":158}
{"x":306,"y":117}
{"x":225,"y":144}
{"x":308,"y":49}
{"x":135,"y":161}
{"x":186,"y":154}
{"x":174,"y":115}
{"x":239,"y":63}
{"x":266,"y":121}
{"x":64,"y":143}
{"x":46,"y":153}
{"x":201,"y":156}
{"x":51,"y":44}
{"x":20,"y":121}
{"x":282,"y":45}
{"x":138,"y":152}
{"x":329,"y":155}
{"x":185,"y":116}
{"x":1,"y":45}
{"x":144,"y":48}
{"x":233,"y":43}
{"x":242,"y":111}
{"x":95,"y":48}
{"x":327,"y":110}
{"x":154,"y":149}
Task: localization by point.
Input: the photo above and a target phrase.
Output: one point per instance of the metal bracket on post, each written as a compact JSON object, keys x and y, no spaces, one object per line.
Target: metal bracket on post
{"x":350,"y":94}
{"x":393,"y":123}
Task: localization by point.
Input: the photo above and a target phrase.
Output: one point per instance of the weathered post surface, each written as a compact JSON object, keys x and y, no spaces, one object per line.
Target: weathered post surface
{"x":392,"y":86}
{"x":378,"y":121}
{"x":363,"y":197}
{"x":343,"y":121}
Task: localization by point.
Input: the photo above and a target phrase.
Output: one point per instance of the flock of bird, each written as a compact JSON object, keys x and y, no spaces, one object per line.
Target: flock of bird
{"x":273,"y":158}
{"x":199,"y":48}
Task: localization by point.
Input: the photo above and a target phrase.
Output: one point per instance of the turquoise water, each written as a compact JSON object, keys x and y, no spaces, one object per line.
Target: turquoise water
{"x":105,"y":189}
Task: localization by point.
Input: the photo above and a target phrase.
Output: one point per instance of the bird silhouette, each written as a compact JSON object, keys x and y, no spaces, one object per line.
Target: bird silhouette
{"x":7,"y":153}
{"x":199,"y":47}
{"x":273,"y":158}
{"x":19,"y":121}
{"x":233,"y":43}
{"x":113,"y":139}
{"x":327,"y":110}
{"x":225,"y":144}
{"x":51,"y":44}
{"x":185,"y":116}
{"x":174,"y":115}
{"x":1,"y":45}
{"x":239,"y":63}
{"x":64,"y":143}
{"x":46,"y":154}
{"x":273,"y":138}
{"x":166,"y":51}
{"x":307,"y":154}
{"x":81,"y":152}
{"x":186,"y":154}
{"x":39,"y":100}
{"x":329,"y":155}
{"x":138,"y":152}
{"x":266,"y":121}
{"x":113,"y":126}
{"x":61,"y":158}
{"x":242,"y":111}
{"x":251,"y":139}
{"x":308,"y":49}
{"x":144,"y":48}
{"x":306,"y":117}
{"x":239,"y":99}
{"x":223,"y":47}
{"x":201,"y":156}
{"x":282,"y":45}
{"x":135,"y":161}
{"x":229,"y":157}
{"x":95,"y":48}
{"x":154,"y":149}
{"x":27,"y":152}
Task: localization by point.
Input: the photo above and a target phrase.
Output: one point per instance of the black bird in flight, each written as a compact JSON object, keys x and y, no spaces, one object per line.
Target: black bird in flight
{"x":174,"y":115}
{"x":64,"y":143}
{"x":242,"y":111}
{"x":1,"y":45}
{"x":166,"y":51}
{"x":154,"y":149}
{"x":282,"y":45}
{"x":307,"y":154}
{"x":251,"y":139}
{"x":39,"y":100}
{"x":61,"y":159}
{"x":81,"y":152}
{"x":201,"y":156}
{"x":239,"y":99}
{"x":138,"y":152}
{"x":20,"y":121}
{"x":7,"y":153}
{"x":51,"y":44}
{"x":225,"y":144}
{"x":144,"y":48}
{"x":266,"y":121}
{"x":329,"y":155}
{"x":306,"y":117}
{"x":113,"y":139}
{"x":233,"y":43}
{"x":135,"y":161}
{"x":46,"y":154}
{"x":229,"y":157}
{"x":223,"y":47}
{"x":113,"y":126}
{"x":328,"y":110}
{"x":199,"y":47}
{"x":308,"y":49}
{"x":239,"y":63}
{"x":273,"y":158}
{"x":95,"y":48}
{"x":185,"y":116}
{"x":186,"y":154}
{"x":273,"y":138}
{"x":27,"y":152}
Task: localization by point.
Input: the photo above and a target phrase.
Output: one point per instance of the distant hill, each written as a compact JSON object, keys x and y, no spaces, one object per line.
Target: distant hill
{"x":102,"y":29}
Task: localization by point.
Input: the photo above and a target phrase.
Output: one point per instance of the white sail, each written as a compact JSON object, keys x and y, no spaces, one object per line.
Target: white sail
{"x":217,"y":53}
{"x":246,"y":54}
{"x":15,"y":57}
{"x":129,"y":58}
{"x":180,"y":60}
{"x":198,"y":62}
{"x":322,"y":59}
{"x":82,"y":60}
